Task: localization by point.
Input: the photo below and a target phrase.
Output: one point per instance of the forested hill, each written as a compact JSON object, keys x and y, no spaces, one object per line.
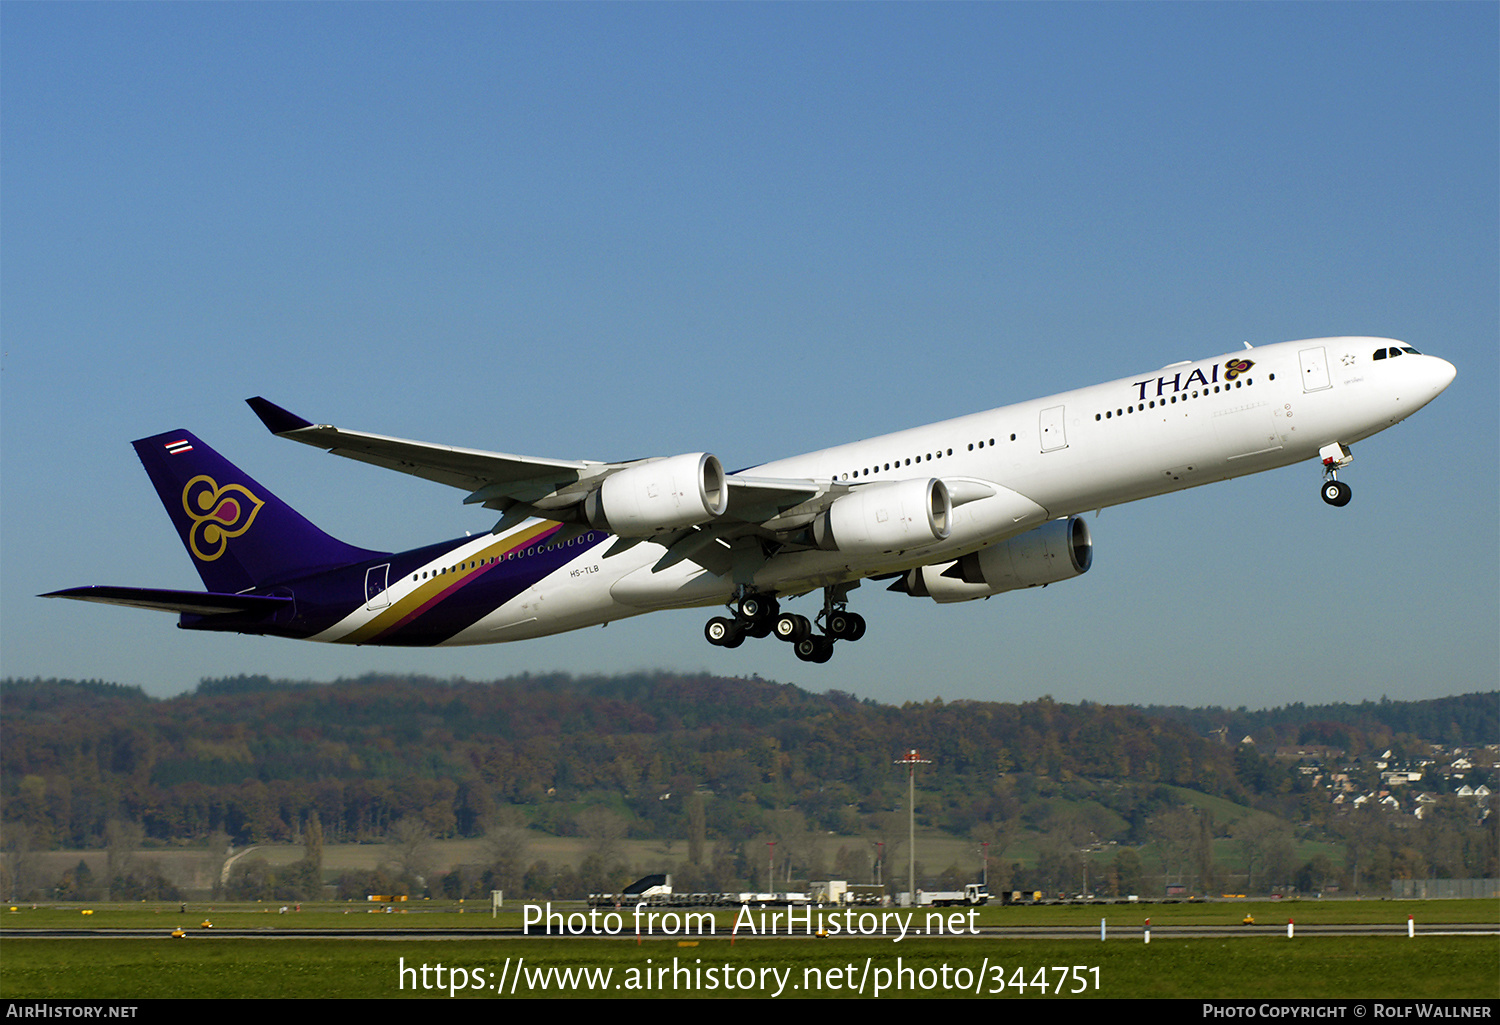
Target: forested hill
{"x":1466,"y":720}
{"x":254,"y":756}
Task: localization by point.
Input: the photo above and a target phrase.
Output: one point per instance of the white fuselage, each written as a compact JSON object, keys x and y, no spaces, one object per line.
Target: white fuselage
{"x":1155,"y":432}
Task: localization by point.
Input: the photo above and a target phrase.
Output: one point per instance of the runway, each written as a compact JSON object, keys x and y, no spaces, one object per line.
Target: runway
{"x":1114,"y":933}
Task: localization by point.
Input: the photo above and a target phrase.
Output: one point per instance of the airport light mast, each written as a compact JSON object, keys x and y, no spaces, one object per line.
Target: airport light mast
{"x":911,"y":760}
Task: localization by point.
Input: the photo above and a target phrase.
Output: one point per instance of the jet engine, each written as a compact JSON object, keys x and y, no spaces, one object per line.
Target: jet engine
{"x":659,"y":495}
{"x":1055,"y":551}
{"x":889,"y":517}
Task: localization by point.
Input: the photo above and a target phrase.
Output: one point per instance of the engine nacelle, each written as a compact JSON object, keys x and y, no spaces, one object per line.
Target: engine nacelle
{"x":659,"y":495}
{"x":1055,"y":551}
{"x":889,"y":517}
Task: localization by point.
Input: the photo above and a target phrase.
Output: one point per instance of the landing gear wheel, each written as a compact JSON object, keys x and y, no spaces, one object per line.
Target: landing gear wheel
{"x":792,"y":627}
{"x":724,"y":633}
{"x":757,"y":627}
{"x":758,"y":608}
{"x":815,"y":649}
{"x":1337,"y":493}
{"x":846,"y":626}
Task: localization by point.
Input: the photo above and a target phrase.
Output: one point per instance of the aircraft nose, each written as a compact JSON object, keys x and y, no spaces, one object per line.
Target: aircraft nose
{"x":1442,"y":373}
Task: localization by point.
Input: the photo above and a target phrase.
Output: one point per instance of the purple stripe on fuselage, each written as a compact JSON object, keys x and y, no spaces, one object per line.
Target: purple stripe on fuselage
{"x":485,"y":589}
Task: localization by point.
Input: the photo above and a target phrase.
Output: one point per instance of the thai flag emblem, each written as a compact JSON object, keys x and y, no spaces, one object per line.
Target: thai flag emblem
{"x":179,"y":447}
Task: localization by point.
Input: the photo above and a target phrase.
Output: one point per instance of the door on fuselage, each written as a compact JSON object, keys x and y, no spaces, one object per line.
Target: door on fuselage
{"x":1053,"y":435}
{"x":376,"y":581}
{"x":1314,"y":369}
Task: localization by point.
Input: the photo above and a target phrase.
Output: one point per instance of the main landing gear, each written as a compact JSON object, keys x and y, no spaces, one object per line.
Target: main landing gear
{"x":755,"y":615}
{"x":1335,"y":457}
{"x":758,"y":615}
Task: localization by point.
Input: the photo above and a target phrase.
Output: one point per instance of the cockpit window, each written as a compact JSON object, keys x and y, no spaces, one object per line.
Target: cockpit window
{"x":1395,"y":352}
{"x":1408,"y":348}
{"x":1380,"y":353}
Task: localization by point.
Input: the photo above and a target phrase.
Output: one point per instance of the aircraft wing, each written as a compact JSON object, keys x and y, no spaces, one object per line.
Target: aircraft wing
{"x":761,"y":499}
{"x":468,"y":469}
{"x":523,"y":486}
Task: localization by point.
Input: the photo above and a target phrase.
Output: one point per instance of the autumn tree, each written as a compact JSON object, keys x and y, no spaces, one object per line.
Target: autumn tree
{"x":697,"y":827}
{"x":1266,"y":845}
{"x":1177,"y":836}
{"x":122,"y":838}
{"x":604,"y":831}
{"x":409,"y":850}
{"x":506,"y":844}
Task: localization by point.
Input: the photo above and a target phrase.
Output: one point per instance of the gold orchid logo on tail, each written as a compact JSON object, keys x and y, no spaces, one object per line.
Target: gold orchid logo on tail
{"x":218,"y":514}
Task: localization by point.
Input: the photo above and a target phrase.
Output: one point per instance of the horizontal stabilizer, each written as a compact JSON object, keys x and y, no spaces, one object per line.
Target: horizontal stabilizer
{"x":192,"y":603}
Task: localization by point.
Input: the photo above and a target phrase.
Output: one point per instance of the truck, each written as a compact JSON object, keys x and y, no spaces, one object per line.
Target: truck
{"x":972,"y":895}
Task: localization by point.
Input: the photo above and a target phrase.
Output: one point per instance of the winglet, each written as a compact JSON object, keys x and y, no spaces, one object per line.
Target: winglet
{"x":278,"y":420}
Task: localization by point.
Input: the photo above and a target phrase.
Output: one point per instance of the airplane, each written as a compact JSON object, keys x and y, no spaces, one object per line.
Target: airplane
{"x":953,"y":511}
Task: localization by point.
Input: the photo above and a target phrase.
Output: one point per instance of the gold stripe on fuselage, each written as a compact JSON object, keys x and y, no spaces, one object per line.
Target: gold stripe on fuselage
{"x":443,"y":582}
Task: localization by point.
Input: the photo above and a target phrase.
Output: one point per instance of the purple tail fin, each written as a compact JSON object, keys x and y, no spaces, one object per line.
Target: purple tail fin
{"x":240,"y":536}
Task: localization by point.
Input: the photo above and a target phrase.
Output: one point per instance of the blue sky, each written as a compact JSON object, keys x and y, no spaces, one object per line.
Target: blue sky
{"x":608,"y":231}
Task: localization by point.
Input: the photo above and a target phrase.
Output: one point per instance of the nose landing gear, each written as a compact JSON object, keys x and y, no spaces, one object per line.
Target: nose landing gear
{"x":1335,"y":457}
{"x":1336,"y":492}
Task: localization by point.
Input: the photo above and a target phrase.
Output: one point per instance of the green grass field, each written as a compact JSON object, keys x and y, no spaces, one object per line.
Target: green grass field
{"x":1260,"y":967}
{"x":1251,"y":965}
